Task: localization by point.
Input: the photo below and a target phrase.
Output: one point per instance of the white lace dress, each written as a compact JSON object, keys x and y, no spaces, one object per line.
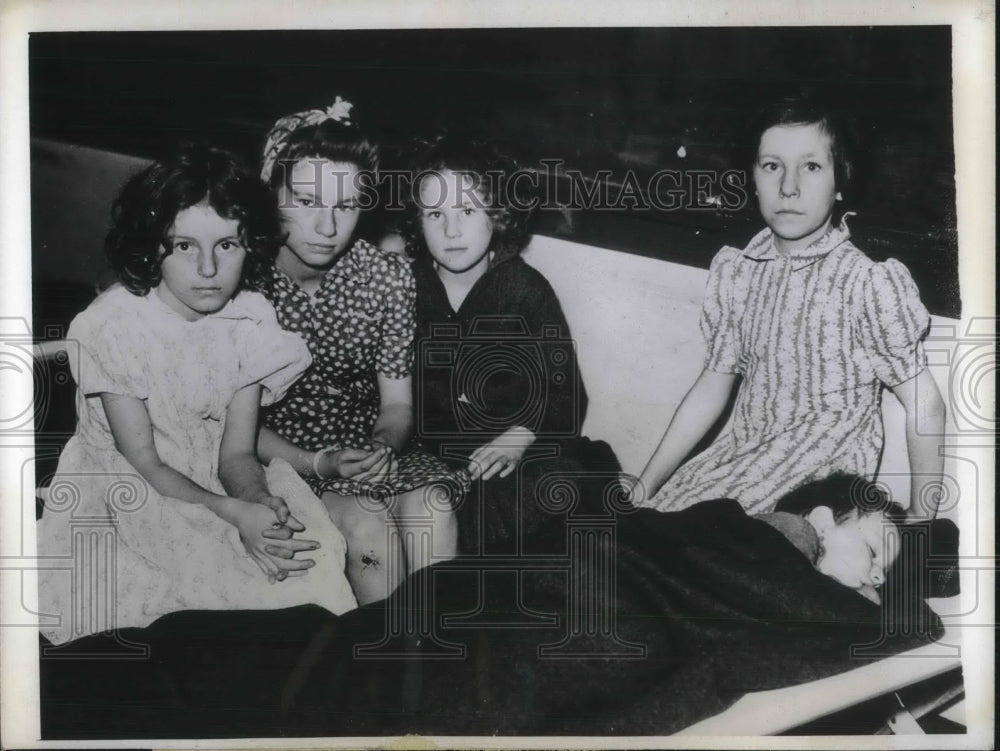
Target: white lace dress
{"x":118,"y":554}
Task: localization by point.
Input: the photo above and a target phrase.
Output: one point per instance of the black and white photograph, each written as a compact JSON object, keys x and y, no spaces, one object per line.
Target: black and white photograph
{"x":574,"y":377}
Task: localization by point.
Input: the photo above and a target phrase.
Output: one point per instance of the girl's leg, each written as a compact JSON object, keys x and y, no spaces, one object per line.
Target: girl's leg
{"x":376,"y":563}
{"x":427,"y":525}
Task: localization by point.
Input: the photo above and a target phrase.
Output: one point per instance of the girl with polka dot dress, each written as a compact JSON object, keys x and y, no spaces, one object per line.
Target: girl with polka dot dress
{"x":346,"y":426}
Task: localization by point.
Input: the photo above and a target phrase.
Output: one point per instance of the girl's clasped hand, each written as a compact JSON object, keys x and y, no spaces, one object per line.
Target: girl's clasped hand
{"x":500,"y":456}
{"x":358,"y":464}
{"x":266,"y":540}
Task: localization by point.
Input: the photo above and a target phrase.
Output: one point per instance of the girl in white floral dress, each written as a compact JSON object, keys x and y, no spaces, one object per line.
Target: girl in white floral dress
{"x":813,"y":328}
{"x":159,"y":503}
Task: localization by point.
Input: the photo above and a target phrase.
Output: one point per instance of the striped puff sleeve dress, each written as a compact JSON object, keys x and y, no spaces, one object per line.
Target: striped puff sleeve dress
{"x":814,"y":335}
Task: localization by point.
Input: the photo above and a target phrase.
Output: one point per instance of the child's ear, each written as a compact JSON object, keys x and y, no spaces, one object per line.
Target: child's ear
{"x":821,"y":518}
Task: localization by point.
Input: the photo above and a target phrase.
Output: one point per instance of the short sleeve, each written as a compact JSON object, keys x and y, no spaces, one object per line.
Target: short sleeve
{"x":395,"y":352}
{"x":893,"y":322}
{"x":269,"y":355}
{"x":718,"y":319}
{"x":109,"y":339}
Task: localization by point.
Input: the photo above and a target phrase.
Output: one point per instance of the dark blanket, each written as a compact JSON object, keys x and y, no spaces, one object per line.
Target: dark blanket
{"x":648,"y":623}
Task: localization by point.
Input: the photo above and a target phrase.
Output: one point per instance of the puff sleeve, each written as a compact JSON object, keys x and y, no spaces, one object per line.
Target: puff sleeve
{"x":109,"y":339}
{"x":268,"y":354}
{"x":718,"y":318}
{"x":892,"y":323}
{"x":395,"y":353}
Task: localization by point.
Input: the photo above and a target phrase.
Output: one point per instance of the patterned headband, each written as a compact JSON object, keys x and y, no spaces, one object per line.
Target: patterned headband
{"x":339,"y":111}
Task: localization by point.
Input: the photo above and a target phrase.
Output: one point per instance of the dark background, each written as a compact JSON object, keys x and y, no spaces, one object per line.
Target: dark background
{"x":617,"y":99}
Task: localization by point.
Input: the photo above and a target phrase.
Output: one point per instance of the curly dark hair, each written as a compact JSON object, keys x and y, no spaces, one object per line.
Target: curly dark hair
{"x":808,"y":108}
{"x":842,"y":493}
{"x":492,"y":176}
{"x":149,"y":202}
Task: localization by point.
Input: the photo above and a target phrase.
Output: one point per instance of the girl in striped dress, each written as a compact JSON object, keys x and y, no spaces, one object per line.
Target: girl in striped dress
{"x":811,"y":329}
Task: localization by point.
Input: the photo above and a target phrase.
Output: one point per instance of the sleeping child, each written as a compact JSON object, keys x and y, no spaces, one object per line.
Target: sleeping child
{"x":846,"y":526}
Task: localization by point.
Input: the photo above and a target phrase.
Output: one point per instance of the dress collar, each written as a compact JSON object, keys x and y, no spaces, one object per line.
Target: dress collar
{"x":762,"y":248}
{"x":354,"y":266}
{"x":236,"y":309}
{"x":423,"y":265}
{"x":240,"y":308}
{"x":430,"y":288}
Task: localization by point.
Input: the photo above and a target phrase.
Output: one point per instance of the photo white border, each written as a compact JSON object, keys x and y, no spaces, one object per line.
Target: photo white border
{"x":973,"y":62}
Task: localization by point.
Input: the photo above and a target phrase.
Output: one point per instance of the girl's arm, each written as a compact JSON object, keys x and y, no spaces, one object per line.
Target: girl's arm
{"x":700,"y":408}
{"x":925,"y":413}
{"x":393,"y":364}
{"x":501,"y":455}
{"x":270,"y":446}
{"x":239,"y":469}
{"x":133,"y":435}
{"x":393,"y":427}
{"x":346,"y":463}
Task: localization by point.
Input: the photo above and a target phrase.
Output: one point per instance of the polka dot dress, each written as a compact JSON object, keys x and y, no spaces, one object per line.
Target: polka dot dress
{"x":358,"y":324}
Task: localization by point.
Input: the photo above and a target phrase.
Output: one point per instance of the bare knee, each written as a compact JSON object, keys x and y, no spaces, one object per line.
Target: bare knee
{"x":435,"y":502}
{"x":363,"y":524}
{"x":427,"y":512}
{"x":375,"y":561}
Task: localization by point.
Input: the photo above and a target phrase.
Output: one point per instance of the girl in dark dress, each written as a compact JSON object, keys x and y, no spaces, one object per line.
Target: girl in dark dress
{"x":498,"y":390}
